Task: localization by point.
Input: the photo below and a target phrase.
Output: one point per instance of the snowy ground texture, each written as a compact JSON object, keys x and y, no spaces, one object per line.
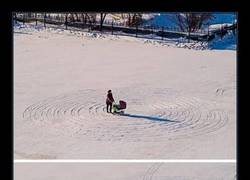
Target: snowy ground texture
{"x":124,"y":171}
{"x":181,"y":102}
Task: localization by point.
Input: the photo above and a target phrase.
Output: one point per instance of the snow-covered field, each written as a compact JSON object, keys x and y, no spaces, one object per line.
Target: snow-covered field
{"x":181,"y":102}
{"x":124,"y":171}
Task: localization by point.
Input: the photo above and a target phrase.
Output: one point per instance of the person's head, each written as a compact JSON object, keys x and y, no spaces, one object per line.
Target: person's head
{"x":109,"y":91}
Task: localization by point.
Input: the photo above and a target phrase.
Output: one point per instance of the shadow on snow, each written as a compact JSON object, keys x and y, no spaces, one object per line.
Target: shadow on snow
{"x":152,"y":118}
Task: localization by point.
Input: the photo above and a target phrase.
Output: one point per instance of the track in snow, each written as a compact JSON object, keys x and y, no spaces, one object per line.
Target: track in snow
{"x":163,"y":112}
{"x":153,"y":173}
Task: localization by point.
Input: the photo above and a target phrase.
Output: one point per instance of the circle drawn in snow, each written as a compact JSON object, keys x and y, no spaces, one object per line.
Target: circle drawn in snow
{"x":153,"y":115}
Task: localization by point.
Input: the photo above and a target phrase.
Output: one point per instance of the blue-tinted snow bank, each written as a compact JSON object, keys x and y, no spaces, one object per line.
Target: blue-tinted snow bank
{"x":166,"y":19}
{"x":229,"y":42}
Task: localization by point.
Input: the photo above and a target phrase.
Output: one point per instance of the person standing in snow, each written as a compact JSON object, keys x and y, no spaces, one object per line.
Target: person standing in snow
{"x":109,"y":101}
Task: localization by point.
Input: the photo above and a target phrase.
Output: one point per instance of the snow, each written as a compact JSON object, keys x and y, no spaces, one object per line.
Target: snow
{"x":125,"y":171}
{"x":166,"y":19}
{"x":148,"y":39}
{"x":228,"y":42}
{"x":181,"y":102}
{"x":215,"y":27}
{"x":221,"y":20}
{"x":118,"y":17}
{"x":149,"y":16}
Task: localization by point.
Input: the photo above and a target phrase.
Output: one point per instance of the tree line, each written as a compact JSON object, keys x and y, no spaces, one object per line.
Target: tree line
{"x":188,"y":22}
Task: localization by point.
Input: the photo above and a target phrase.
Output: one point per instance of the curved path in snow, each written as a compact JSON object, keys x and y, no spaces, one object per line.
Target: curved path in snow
{"x":163,"y":112}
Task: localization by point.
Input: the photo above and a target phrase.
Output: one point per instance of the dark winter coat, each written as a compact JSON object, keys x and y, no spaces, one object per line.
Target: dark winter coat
{"x":110,"y":98}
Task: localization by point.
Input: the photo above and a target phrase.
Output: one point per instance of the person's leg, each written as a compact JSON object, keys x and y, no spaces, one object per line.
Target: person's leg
{"x":107,"y":105}
{"x":110,"y":107}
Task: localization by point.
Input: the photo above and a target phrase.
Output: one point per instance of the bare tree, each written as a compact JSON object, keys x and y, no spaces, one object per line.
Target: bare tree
{"x":102,"y":17}
{"x":191,"y":22}
{"x":66,"y":20}
{"x":77,"y":17}
{"x":137,"y":19}
{"x":132,"y":19}
{"x":85,"y":17}
{"x":73,"y":17}
{"x":82,"y":17}
{"x":91,"y":18}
